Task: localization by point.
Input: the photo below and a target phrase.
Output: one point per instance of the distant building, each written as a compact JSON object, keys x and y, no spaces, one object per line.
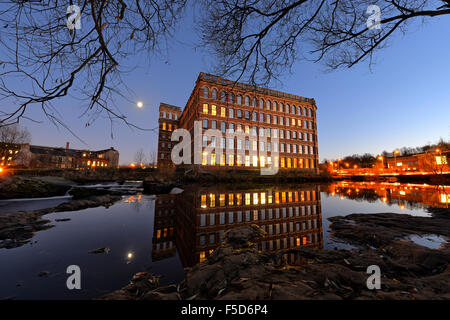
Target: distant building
{"x":421,"y":162}
{"x":268,"y":127}
{"x":32,"y":156}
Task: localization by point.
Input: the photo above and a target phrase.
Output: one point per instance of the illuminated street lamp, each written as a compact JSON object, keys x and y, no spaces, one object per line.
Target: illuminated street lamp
{"x":381,"y":158}
{"x":395,"y":158}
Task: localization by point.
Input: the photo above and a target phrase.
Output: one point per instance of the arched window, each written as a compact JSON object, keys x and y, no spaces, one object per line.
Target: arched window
{"x":239,"y":99}
{"x":310,"y":112}
{"x":205,"y":92}
{"x":305,"y":111}
{"x":214,"y":94}
{"x":274,"y":106}
{"x":268,"y":105}
{"x":299,"y":111}
{"x":281,"y":107}
{"x":261,"y":103}
{"x":247,"y":101}
{"x":286,"y":108}
{"x":293,"y":109}
{"x":223,"y":96}
{"x":254,"y":102}
{"x":231,"y":98}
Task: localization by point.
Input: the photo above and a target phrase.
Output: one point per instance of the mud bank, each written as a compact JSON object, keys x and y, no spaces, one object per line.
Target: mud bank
{"x":235,"y":270}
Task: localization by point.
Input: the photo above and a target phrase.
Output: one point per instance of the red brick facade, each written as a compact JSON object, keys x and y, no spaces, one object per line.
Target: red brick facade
{"x":286,"y":122}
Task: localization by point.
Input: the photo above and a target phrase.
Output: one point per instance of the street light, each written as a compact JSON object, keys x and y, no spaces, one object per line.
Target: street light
{"x":382,"y":161}
{"x":140,"y":104}
{"x":395,"y":158}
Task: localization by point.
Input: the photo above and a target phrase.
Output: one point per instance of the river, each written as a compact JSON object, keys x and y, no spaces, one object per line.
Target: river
{"x":166,"y":233}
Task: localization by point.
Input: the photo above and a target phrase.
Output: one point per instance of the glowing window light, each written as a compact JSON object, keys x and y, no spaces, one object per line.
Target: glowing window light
{"x":255,"y":198}
{"x":212,"y":199}
{"x":203,"y":201}
{"x":247,"y":199}
{"x":263,"y":198}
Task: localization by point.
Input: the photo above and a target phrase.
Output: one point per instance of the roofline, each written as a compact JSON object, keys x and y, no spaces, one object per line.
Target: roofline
{"x":240,"y":85}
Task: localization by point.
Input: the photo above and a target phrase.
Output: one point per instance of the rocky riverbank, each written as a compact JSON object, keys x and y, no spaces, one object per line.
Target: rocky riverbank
{"x":17,"y":228}
{"x":33,"y":187}
{"x":235,"y":270}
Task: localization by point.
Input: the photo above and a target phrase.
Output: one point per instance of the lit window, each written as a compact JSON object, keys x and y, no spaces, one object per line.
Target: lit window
{"x":247,"y":199}
{"x":262,"y":161}
{"x":247,"y":161}
{"x":212,"y":200}
{"x":238,"y":199}
{"x":223,"y":111}
{"x":263,"y":198}
{"x":213,"y":159}
{"x":231,"y":160}
{"x":203,"y":201}
{"x":255,"y":198}
{"x":222,"y":200}
{"x":441,"y":160}
{"x":239,"y":160}
{"x":282,"y":162}
{"x":222,"y":159}
{"x":255,"y":160}
{"x":204,"y":158}
{"x":205,"y":108}
{"x":213,"y":109}
{"x":164,"y":126}
{"x":231,"y":199}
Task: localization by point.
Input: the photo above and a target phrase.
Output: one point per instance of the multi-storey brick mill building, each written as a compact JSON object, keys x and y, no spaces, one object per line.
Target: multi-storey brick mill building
{"x":278,"y":129}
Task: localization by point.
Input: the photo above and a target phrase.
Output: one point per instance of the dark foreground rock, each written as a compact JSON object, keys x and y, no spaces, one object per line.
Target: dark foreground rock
{"x":31,"y":187}
{"x":235,"y":270}
{"x":17,"y":228}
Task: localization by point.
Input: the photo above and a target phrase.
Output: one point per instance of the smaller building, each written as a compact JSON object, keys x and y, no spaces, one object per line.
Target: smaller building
{"x":33,"y":156}
{"x":429,"y":162}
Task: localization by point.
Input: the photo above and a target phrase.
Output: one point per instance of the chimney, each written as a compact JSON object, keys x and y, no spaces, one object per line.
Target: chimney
{"x":67,"y":145}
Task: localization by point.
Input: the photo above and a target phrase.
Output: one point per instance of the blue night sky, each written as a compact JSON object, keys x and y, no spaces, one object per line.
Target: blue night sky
{"x":403,"y":101}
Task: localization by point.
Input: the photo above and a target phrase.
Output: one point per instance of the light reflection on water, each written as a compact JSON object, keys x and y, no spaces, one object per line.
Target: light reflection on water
{"x":167,"y":233}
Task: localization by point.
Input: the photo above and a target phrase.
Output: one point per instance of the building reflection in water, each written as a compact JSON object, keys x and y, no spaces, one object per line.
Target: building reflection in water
{"x":197,"y":219}
{"x":163,"y":227}
{"x":405,"y":195}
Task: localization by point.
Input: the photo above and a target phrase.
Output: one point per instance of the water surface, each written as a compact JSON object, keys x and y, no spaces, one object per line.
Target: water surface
{"x":167,"y":233}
